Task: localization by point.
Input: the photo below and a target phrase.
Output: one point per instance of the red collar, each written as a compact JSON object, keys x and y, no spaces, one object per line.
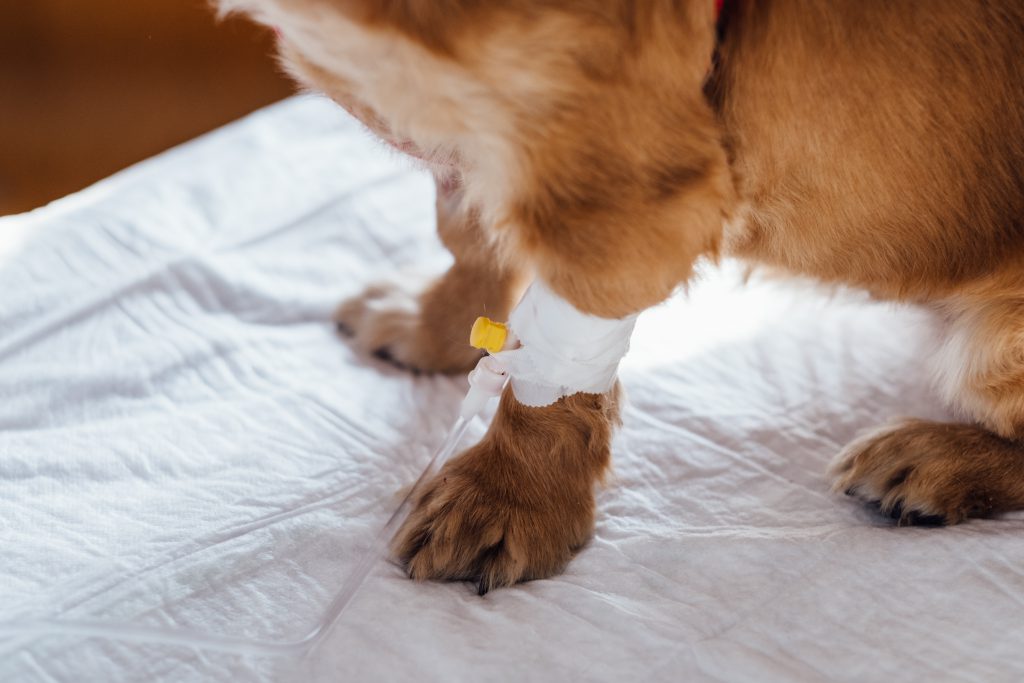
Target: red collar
{"x":723,"y":8}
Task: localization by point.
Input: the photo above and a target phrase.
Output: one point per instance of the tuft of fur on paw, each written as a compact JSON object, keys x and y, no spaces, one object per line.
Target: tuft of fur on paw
{"x":929,"y":473}
{"x":388,"y":320}
{"x":519,"y":504}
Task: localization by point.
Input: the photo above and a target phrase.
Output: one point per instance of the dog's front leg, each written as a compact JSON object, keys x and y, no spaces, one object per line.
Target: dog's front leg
{"x":425,"y":326}
{"x":517,"y":505}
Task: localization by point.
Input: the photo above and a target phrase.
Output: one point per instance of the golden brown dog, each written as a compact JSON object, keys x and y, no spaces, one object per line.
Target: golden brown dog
{"x":871,"y":143}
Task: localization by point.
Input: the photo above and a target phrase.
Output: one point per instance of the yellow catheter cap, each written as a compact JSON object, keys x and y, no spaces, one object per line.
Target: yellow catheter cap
{"x":488,"y":335}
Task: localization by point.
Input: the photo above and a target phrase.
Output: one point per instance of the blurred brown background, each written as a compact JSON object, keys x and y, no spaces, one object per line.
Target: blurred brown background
{"x":88,"y":87}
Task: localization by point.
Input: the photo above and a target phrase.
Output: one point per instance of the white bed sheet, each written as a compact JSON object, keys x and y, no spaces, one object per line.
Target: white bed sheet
{"x":169,"y":375}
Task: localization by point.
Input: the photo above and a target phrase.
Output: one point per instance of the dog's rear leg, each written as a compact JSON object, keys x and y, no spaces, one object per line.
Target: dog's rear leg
{"x":931,"y":473}
{"x":425,"y":326}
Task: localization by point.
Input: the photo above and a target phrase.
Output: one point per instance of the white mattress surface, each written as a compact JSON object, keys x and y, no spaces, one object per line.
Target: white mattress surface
{"x":169,"y":378}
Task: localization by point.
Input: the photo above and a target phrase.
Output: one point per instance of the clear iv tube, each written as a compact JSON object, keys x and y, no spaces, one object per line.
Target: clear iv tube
{"x":137,"y":633}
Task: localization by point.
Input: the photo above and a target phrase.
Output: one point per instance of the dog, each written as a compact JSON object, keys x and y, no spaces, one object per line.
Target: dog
{"x":604,"y":146}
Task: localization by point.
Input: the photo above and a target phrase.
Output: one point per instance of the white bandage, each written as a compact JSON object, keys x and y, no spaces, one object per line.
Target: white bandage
{"x":563,"y":351}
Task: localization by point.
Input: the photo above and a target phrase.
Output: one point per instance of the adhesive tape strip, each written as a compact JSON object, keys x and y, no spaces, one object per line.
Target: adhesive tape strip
{"x":563,"y":351}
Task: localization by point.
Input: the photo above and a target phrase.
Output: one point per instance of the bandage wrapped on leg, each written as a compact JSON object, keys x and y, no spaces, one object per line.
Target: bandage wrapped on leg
{"x":558,"y":350}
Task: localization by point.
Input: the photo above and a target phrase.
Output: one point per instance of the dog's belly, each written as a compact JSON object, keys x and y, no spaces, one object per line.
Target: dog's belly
{"x":878,"y":144}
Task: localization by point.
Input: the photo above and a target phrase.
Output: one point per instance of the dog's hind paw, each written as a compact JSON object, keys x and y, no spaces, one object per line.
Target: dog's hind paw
{"x":930,"y":474}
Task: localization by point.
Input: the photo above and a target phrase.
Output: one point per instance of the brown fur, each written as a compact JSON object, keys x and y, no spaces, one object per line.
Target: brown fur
{"x":479,"y":519}
{"x":427,"y":329}
{"x":921,"y":472}
{"x":869,"y":143}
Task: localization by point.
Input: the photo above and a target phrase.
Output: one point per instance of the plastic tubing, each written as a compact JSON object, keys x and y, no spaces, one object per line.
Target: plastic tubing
{"x":300,"y":647}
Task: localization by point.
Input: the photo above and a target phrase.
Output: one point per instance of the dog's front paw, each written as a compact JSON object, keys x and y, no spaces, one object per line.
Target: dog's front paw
{"x":928,"y":473}
{"x":389,"y":320}
{"x":519,"y":504}
{"x":473,"y":524}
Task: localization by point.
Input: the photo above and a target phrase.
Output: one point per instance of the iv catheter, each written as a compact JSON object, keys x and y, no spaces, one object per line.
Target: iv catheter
{"x":487,"y":380}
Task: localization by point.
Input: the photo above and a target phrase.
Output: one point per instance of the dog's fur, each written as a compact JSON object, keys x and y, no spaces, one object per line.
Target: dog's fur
{"x":870,"y":143}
